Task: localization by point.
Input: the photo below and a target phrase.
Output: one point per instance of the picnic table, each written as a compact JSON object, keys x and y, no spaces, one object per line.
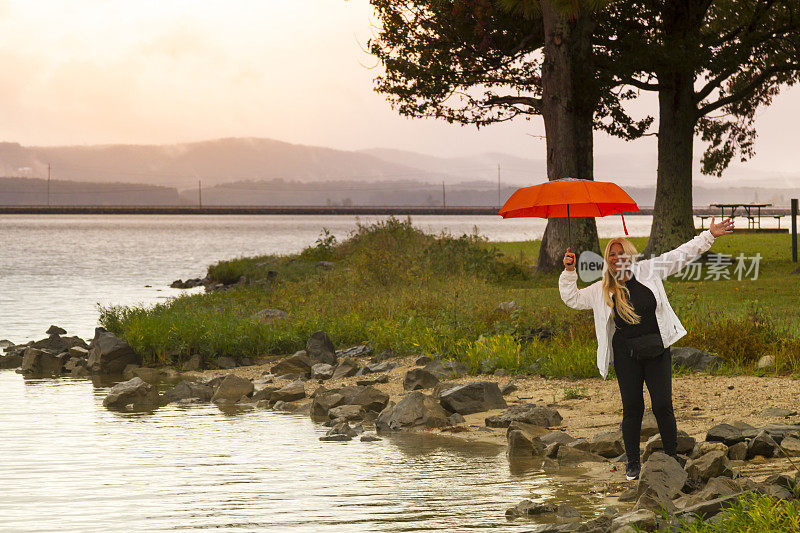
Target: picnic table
{"x":752,"y":221}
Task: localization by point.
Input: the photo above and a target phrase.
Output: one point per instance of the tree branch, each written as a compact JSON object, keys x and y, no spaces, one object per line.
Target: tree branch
{"x":747,"y":89}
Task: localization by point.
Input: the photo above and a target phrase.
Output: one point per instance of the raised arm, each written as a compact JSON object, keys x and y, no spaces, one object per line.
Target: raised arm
{"x":573,"y":296}
{"x":671,"y":262}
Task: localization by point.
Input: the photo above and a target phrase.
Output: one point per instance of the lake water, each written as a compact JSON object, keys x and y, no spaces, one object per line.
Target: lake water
{"x":71,"y":465}
{"x":56,"y":269}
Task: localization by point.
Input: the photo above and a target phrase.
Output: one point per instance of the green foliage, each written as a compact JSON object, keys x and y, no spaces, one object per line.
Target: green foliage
{"x":752,"y":513}
{"x":574,"y":393}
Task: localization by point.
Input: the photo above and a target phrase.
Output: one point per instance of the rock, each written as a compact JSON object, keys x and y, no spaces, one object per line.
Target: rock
{"x":762,"y":444}
{"x":188,"y":389}
{"x":55,"y":344}
{"x":778,"y":412}
{"x":500,"y":372}
{"x":289,"y":393}
{"x":361,"y":350}
{"x":266,"y":315}
{"x":780,"y":431}
{"x":347,"y":412}
{"x":641,"y":519}
{"x":320,"y":349}
{"x":383,"y":366}
{"x":383,"y":356}
{"x":567,"y":512}
{"x":535,"y":414}
{"x":10,"y":361}
{"x":335,"y":438}
{"x":791,"y":446}
{"x":298,"y":363}
{"x":37,"y":362}
{"x":456,"y":419}
{"x":508,"y":388}
{"x":711,"y":464}
{"x":132,"y":392}
{"x":652,"y":500}
{"x":715,"y":488}
{"x":370,"y":437}
{"x":693,"y":359}
{"x":55,"y":330}
{"x":324,"y":402}
{"x":79,"y":372}
{"x":108,"y":354}
{"x":524,"y":440}
{"x":322,"y":371}
{"x":702,"y":448}
{"x":557,"y":437}
{"x":529,"y":508}
{"x":78,"y":351}
{"x":710,"y":508}
{"x":580,"y":444}
{"x":445,"y":369}
{"x":264,"y":394}
{"x":232,"y":388}
{"x":422,"y":360}
{"x":5,"y":344}
{"x":414,"y":410}
{"x":725,"y":433}
{"x":150,"y":375}
{"x":383,"y":378}
{"x":737,"y":452}
{"x":418,"y":378}
{"x":509,"y":306}
{"x":685,"y":443}
{"x":607,"y":444}
{"x":473,"y":397}
{"x":346,"y":368}
{"x":226,"y":363}
{"x":194,"y":363}
{"x":370,"y":398}
{"x":765,"y":362}
{"x":662,"y":474}
{"x":570,"y":455}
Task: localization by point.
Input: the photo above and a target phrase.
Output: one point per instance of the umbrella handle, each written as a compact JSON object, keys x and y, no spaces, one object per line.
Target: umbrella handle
{"x":569,"y":231}
{"x":623,"y":223}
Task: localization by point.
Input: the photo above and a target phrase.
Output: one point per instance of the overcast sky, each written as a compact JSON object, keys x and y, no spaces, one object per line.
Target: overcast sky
{"x":114,"y":71}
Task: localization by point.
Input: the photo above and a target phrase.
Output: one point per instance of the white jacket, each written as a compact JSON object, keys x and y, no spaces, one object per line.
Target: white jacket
{"x":649,"y":272}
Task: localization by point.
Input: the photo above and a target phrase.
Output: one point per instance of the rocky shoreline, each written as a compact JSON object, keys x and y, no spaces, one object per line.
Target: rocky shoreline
{"x":358,"y":394}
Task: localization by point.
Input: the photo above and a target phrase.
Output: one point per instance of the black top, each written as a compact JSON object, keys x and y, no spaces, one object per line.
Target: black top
{"x":644,"y":304}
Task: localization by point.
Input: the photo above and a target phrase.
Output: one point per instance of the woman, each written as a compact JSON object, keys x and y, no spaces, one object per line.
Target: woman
{"x":635,"y":325}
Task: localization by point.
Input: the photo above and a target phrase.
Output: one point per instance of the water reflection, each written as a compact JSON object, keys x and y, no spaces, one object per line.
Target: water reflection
{"x":72,"y":465}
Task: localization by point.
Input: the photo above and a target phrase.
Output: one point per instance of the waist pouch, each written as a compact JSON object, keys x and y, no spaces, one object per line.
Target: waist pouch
{"x":645,"y":347}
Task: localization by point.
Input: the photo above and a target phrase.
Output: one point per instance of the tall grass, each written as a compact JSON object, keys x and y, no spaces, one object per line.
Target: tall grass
{"x":752,"y":513}
{"x":395,"y":287}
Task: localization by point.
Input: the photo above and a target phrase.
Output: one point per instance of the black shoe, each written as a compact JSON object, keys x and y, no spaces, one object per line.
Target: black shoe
{"x":632,"y":472}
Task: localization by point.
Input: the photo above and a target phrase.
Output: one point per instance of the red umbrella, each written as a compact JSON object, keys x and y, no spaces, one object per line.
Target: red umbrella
{"x":567,"y":197}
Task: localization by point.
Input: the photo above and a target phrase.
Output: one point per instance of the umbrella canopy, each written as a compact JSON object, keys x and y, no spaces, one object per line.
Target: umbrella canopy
{"x":568,"y":197}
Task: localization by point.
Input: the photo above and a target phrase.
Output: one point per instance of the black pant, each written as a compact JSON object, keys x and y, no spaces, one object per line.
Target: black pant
{"x":631,"y":375}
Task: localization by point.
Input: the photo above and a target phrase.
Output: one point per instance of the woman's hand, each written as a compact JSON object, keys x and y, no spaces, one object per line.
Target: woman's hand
{"x":569,"y":260}
{"x":725,"y":226}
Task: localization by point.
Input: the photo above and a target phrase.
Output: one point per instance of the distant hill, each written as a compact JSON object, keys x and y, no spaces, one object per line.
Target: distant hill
{"x":34,"y":191}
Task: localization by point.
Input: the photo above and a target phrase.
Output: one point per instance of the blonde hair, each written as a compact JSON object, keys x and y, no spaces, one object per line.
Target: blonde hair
{"x":612,"y":286}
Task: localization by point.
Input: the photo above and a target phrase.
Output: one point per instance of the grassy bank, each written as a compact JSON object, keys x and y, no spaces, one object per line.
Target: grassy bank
{"x":396,"y":288}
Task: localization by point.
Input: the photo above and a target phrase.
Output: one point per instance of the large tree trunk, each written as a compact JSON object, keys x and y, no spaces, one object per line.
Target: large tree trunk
{"x":568,"y":111}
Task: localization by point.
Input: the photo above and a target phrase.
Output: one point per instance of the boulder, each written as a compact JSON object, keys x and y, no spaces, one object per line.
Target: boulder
{"x":778,"y":432}
{"x":57,"y":331}
{"x":57,"y":343}
{"x":693,"y":359}
{"x":414,"y":410}
{"x":725,"y":433}
{"x":370,"y":398}
{"x":187,"y":390}
{"x":232,"y":388}
{"x":5,"y":344}
{"x":707,"y":509}
{"x":702,"y":448}
{"x":347,"y":412}
{"x":324,"y":402}
{"x":264,"y":393}
{"x":715,"y":488}
{"x":791,"y":446}
{"x":361,"y":350}
{"x":78,"y":351}
{"x":765,"y":362}
{"x":383,"y":366}
{"x":473,"y":397}
{"x":557,"y":437}
{"x":737,"y":452}
{"x":298,"y":363}
{"x":37,"y":362}
{"x":763,"y":444}
{"x":322,"y":371}
{"x":108,"y":354}
{"x":508,"y":388}
{"x":662,"y":474}
{"x":778,"y":412}
{"x":135,"y":392}
{"x":422,"y":360}
{"x":289,"y":393}
{"x":607,"y":444}
{"x":685,"y":444}
{"x":226,"y":363}
{"x":346,"y":368}
{"x":320,"y":349}
{"x":418,"y":378}
{"x":535,"y":414}
{"x":570,"y":455}
{"x":383,"y":356}
{"x":370,"y":437}
{"x":524,"y":440}
{"x":712,"y":464}
{"x":445,"y":369}
{"x":641,"y":519}
{"x":529,"y":508}
{"x":10,"y":361}
{"x":193,"y":364}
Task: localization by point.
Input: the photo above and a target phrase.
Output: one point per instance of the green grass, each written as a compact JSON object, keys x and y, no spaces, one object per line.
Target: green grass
{"x":752,"y":513}
{"x":397,"y":288}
